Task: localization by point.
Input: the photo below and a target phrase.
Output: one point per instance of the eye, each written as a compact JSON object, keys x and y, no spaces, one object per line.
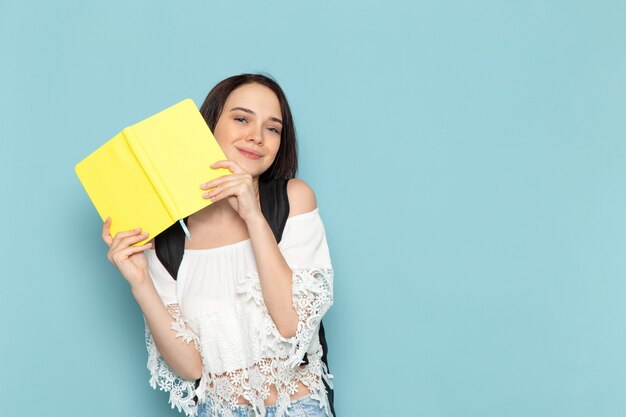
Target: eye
{"x":274,"y":130}
{"x":241,"y":119}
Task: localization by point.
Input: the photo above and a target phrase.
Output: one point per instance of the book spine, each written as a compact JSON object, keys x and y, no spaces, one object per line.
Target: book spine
{"x":152,"y":173}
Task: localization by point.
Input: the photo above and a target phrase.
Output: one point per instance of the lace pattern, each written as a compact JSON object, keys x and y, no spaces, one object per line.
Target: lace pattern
{"x":280,"y":366}
{"x":312,"y":291}
{"x":181,"y":391}
{"x":253,"y":384}
{"x":312,"y":297}
{"x":181,"y":328}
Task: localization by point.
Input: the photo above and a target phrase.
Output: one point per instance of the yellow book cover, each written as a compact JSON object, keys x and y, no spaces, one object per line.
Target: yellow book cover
{"x":149,"y":174}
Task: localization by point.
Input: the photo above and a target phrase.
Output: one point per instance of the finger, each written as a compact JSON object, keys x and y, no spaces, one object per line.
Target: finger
{"x":124,"y":244}
{"x":130,"y":240}
{"x":230,"y":165}
{"x":106,"y":231}
{"x":125,"y":241}
{"x":126,"y":233}
{"x":130,"y":251}
{"x":224,"y":190}
{"x":220,"y":193}
{"x":226,"y":179}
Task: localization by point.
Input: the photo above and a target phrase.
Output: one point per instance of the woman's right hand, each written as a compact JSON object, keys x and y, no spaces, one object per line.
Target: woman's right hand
{"x":129,"y":260}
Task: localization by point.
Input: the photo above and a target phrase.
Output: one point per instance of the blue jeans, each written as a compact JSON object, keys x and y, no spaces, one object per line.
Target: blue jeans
{"x":304,"y":406}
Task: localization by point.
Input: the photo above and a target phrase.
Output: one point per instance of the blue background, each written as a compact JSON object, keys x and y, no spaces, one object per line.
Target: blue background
{"x":469,"y":164}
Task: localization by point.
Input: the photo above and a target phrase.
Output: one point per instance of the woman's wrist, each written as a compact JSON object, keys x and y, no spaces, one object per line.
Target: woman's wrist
{"x":140,"y":289}
{"x":255,"y":219}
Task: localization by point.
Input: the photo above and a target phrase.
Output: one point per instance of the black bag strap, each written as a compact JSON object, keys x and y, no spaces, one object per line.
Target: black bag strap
{"x":170,"y":248}
{"x":275,"y":205}
{"x":170,"y":245}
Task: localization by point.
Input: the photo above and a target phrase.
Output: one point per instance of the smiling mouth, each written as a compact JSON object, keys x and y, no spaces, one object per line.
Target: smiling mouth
{"x":248,"y":154}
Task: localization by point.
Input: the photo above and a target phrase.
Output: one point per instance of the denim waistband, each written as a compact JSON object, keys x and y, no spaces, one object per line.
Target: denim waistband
{"x":248,"y":407}
{"x":305,"y":405}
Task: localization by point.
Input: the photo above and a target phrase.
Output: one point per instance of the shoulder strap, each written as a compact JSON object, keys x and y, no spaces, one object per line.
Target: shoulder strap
{"x":275,"y":204}
{"x":170,"y":248}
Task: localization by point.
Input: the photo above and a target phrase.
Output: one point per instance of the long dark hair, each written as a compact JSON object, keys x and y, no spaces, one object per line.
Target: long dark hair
{"x":286,"y":163}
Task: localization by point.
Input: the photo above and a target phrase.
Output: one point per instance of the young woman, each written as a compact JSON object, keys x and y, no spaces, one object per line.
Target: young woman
{"x":235,"y":331}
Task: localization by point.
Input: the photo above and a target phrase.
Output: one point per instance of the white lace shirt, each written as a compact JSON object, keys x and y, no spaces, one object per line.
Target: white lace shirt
{"x":216,"y":303}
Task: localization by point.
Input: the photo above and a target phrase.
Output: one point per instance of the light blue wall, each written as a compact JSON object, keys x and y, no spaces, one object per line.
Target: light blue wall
{"x":469,"y":160}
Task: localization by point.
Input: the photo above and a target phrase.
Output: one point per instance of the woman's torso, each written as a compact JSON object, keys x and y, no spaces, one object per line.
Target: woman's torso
{"x":220,"y":236}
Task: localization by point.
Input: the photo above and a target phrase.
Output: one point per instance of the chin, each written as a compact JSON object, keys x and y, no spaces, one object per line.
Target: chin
{"x":252,"y":169}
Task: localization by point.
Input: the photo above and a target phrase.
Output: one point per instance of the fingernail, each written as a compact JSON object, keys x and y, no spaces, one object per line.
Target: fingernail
{"x":203,"y":186}
{"x":205,"y":195}
{"x":138,"y":229}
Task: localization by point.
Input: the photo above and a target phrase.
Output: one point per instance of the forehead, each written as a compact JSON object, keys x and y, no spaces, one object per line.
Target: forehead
{"x":255,"y":97}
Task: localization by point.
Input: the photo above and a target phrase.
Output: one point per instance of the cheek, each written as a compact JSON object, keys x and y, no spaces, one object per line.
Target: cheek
{"x":221,"y":136}
{"x":275,"y":145}
{"x":219,"y":133}
{"x":274,"y":154}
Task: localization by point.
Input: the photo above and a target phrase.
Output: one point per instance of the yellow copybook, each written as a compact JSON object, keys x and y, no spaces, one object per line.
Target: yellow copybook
{"x":149,"y":175}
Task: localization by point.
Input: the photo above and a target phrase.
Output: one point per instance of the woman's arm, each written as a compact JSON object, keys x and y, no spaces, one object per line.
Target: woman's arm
{"x":131,"y":261}
{"x":182,"y":357}
{"x":274,"y":273}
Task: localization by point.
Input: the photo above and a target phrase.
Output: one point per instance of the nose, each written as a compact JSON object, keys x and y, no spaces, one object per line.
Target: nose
{"x":256,"y":135}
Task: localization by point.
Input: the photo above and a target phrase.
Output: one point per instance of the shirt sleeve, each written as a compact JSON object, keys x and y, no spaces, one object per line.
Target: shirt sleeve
{"x":181,"y":391}
{"x":305,"y":250}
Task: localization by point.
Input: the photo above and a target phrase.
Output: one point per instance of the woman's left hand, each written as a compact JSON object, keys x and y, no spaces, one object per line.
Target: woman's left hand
{"x":237,"y":188}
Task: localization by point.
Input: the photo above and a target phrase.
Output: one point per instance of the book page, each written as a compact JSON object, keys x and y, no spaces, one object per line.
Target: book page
{"x":119,"y":188}
{"x":176,"y":149}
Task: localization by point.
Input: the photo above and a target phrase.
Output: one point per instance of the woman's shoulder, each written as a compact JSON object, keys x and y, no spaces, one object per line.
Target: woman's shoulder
{"x":301,"y":197}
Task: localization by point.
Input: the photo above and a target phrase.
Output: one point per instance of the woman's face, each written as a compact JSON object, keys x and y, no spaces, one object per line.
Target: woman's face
{"x":248,"y":130}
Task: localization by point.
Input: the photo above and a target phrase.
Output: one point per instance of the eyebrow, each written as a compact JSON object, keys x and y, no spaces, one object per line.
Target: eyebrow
{"x":243,"y":109}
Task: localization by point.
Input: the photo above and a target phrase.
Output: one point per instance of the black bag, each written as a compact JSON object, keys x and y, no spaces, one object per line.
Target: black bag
{"x":170,"y":247}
